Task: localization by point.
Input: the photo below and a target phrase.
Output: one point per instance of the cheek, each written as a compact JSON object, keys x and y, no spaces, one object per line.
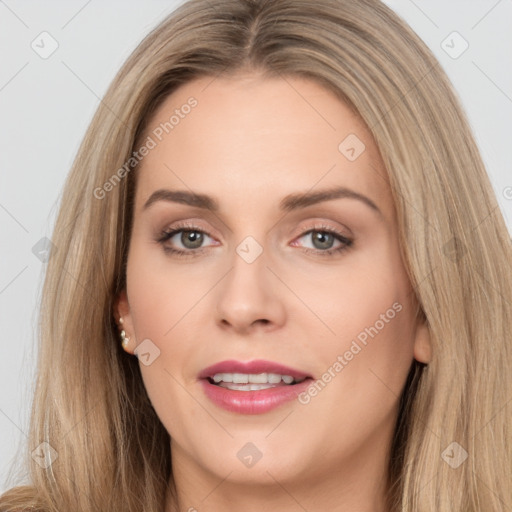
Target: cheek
{"x":368,"y":309}
{"x":160,"y":295}
{"x":162,"y":303}
{"x":362,"y":370}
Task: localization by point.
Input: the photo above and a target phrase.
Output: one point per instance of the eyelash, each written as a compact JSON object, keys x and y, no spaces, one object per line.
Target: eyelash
{"x":167,"y":235}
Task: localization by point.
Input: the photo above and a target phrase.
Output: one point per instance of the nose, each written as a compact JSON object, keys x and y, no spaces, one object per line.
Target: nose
{"x":250,"y":298}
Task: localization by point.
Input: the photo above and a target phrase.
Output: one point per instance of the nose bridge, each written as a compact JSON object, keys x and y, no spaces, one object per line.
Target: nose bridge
{"x":246,"y":295}
{"x":247,"y":280}
{"x":249,"y":250}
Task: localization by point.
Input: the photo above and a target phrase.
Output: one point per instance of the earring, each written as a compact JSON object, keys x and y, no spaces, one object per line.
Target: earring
{"x":124,"y":339}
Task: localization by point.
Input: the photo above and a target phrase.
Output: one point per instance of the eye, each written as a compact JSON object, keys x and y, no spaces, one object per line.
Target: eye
{"x":324,"y":239}
{"x":191,"y":239}
{"x":185,"y":240}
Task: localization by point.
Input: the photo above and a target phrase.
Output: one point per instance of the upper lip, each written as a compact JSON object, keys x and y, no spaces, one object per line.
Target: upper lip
{"x":251,"y":367}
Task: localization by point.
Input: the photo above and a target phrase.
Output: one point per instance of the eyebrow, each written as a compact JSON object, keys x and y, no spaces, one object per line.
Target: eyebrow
{"x":289,"y":203}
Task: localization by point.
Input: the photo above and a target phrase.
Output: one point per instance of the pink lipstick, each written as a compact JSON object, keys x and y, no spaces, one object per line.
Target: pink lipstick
{"x":252,"y":387}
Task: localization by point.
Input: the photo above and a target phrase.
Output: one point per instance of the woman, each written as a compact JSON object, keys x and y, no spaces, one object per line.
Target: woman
{"x":282,"y":279}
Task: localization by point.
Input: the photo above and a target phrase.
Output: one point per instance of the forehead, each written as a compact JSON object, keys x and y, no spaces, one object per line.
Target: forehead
{"x":258,"y":137}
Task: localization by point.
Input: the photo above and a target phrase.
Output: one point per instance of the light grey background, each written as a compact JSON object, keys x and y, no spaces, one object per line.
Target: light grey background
{"x":46,"y":105}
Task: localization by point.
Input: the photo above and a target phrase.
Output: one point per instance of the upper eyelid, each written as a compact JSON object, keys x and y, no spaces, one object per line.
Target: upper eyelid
{"x":192,"y":225}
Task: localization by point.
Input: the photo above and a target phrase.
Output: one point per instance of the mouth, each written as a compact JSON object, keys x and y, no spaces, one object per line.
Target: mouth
{"x":252,"y":381}
{"x":259,"y":373}
{"x":252,"y":387}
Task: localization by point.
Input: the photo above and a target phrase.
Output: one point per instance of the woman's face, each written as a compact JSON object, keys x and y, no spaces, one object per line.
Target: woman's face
{"x":289,"y":254}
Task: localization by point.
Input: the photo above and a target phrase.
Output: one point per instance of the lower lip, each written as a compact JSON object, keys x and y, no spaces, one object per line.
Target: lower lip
{"x":253,"y":402}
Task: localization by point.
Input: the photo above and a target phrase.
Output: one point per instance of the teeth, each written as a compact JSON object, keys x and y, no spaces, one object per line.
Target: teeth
{"x":245,"y":387}
{"x":274,"y":378}
{"x":261,"y":378}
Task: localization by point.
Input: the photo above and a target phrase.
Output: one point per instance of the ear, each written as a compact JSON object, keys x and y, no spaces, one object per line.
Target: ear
{"x":122,"y":310}
{"x":422,"y":343}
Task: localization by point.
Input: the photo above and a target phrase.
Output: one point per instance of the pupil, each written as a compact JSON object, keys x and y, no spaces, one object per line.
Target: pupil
{"x":325,"y":239}
{"x":192,"y":239}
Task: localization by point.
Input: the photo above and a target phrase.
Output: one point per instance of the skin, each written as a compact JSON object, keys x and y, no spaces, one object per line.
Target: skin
{"x":248,"y":143}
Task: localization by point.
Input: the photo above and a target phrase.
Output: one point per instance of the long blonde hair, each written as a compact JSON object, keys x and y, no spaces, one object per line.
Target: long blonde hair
{"x":90,"y":403}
